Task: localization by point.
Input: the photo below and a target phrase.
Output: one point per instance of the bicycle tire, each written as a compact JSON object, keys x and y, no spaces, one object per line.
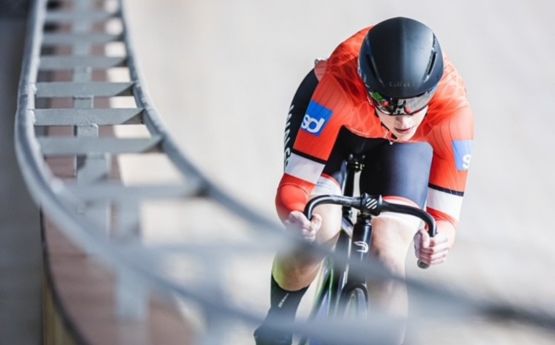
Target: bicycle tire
{"x":328,"y":295}
{"x":354,"y":303}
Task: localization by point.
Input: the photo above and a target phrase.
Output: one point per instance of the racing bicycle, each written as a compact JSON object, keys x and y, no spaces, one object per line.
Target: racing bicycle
{"x":342,"y":293}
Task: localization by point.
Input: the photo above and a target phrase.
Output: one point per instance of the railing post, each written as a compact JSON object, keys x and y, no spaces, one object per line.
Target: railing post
{"x":92,"y":167}
{"x":132,"y":296}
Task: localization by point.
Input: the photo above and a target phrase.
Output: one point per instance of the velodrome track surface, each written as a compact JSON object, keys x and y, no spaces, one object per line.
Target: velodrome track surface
{"x":222,"y":75}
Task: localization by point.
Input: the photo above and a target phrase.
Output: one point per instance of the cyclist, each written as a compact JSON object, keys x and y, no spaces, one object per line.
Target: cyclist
{"x":389,"y":93}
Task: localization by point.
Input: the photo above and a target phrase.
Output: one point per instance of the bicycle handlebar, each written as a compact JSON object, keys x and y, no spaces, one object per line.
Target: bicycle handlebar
{"x":373,"y":205}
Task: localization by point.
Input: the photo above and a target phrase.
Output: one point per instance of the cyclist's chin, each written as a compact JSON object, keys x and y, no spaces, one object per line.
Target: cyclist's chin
{"x":405,"y":135}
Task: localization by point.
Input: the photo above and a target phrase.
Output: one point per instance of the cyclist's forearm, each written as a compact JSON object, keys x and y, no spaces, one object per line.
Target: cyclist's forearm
{"x":448,"y":229}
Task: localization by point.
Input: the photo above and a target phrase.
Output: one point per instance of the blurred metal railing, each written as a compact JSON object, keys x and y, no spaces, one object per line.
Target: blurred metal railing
{"x":82,"y":207}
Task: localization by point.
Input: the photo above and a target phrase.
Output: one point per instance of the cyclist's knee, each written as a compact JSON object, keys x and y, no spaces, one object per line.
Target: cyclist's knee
{"x":298,"y":260}
{"x":294,"y":272}
{"x":331,"y":223}
{"x":391,"y":239}
{"x":331,"y":214}
{"x":297,"y":268}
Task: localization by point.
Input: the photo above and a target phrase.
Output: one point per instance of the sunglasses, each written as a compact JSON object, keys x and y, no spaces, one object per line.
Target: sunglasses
{"x":400,"y":106}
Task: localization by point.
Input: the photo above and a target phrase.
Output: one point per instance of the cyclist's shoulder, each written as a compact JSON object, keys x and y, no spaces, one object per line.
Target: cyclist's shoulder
{"x":344,"y":57}
{"x":339,"y":80}
{"x":447,"y":124}
{"x":451,"y":78}
{"x":450,"y":103}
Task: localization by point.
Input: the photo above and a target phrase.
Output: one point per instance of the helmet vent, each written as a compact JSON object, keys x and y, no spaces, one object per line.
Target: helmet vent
{"x":432,"y":62}
{"x":374,"y":69}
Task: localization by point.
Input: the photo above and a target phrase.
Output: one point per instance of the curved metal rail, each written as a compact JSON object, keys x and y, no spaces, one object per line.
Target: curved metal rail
{"x":68,"y":202}
{"x":87,"y":223}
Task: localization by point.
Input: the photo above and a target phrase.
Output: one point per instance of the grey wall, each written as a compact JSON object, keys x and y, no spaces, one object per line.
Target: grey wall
{"x":20,"y":248}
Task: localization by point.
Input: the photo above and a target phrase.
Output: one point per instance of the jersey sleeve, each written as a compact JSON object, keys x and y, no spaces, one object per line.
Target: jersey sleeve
{"x":452,"y":142}
{"x":315,"y":140}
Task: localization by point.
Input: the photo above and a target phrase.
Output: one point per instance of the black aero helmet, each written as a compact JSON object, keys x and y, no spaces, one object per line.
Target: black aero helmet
{"x":401,"y":64}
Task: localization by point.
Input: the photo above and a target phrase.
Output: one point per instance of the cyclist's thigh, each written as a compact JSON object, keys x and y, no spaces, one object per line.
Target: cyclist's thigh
{"x":297,"y":111}
{"x":399,"y":172}
{"x":331,"y":214}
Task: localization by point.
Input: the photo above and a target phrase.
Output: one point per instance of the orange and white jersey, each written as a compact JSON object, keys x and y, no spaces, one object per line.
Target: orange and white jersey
{"x":340,"y":101}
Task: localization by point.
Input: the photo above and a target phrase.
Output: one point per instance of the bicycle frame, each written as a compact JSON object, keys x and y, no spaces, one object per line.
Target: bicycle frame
{"x":353,"y":241}
{"x":336,"y":283}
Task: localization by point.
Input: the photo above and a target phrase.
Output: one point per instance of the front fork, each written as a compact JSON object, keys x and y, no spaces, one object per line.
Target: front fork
{"x":334,"y":289}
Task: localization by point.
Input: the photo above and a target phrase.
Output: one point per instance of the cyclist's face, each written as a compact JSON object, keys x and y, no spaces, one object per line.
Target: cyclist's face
{"x":403,"y":126}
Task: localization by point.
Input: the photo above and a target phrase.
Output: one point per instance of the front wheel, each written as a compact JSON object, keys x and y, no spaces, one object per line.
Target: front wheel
{"x":354,"y":303}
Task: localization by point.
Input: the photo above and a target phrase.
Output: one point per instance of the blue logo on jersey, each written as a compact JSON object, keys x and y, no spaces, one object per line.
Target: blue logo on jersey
{"x":462,"y":150}
{"x":316,"y":118}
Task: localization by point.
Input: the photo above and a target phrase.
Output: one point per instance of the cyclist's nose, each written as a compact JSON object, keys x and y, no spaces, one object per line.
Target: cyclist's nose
{"x":403,"y":121}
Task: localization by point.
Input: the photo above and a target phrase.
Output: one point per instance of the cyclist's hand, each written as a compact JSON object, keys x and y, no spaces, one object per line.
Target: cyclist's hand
{"x":297,"y":221}
{"x":431,"y":250}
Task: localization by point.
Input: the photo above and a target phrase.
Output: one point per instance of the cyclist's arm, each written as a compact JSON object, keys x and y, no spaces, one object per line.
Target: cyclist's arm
{"x":312,"y":147}
{"x":448,"y":230}
{"x":448,"y":178}
{"x":292,"y":195}
{"x":452,"y":141}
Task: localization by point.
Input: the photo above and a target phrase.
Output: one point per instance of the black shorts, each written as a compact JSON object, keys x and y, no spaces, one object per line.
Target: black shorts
{"x":390,"y":169}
